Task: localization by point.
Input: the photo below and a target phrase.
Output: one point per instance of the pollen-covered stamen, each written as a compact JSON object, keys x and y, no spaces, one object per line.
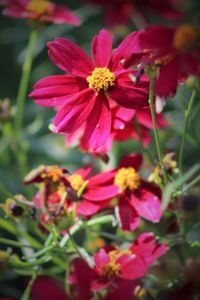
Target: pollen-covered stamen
{"x":101,"y":79}
{"x":127,"y":179}
{"x":186,"y":38}
{"x":76,"y":181}
{"x":38,"y":6}
{"x":112,"y":268}
{"x":53,"y":173}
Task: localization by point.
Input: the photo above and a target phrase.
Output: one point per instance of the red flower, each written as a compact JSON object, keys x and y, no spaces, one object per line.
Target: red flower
{"x":136,"y":197}
{"x":96,"y":185}
{"x":113,"y":266}
{"x":175,"y":51}
{"x":84,"y":95}
{"x":40,"y":10}
{"x":125,"y":10}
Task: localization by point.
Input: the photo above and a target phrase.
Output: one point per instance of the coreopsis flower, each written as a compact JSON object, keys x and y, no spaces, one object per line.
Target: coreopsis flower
{"x":174,"y":52}
{"x":125,"y":10}
{"x":39,"y":10}
{"x":114,"y":266}
{"x":83,"y":185}
{"x":136,"y":197}
{"x":84,"y":96}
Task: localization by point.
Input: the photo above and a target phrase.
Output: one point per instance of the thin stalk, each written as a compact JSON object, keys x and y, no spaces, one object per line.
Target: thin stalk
{"x":13,"y":243}
{"x":153,"y":116}
{"x":23,"y":86}
{"x":27,"y":291}
{"x":186,"y":125}
{"x":74,"y":244}
{"x":191,"y":184}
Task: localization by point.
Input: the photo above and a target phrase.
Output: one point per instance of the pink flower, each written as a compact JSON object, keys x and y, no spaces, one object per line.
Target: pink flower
{"x":174,"y":51}
{"x":40,"y":10}
{"x":114,"y":266}
{"x":85,"y":95}
{"x":136,"y":197}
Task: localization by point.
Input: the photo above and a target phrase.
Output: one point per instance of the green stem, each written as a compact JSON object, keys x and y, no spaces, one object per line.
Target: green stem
{"x":187,"y":115}
{"x":191,"y":184}
{"x":13,"y":243}
{"x":27,"y":292}
{"x":153,"y":116}
{"x":23,"y":86}
{"x":74,"y":244}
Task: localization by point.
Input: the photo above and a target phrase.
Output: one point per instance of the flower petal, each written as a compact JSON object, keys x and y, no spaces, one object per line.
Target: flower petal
{"x":72,"y":116}
{"x":101,"y":48}
{"x":104,"y":178}
{"x":128,"y":218}
{"x":147,"y":205}
{"x":167,"y":81}
{"x":98,"y":124}
{"x":101,"y":258}
{"x":57,"y":90}
{"x":70,"y":57}
{"x":101,"y":193}
{"x":87,"y":208}
{"x":132,"y":160}
{"x":130,"y":94}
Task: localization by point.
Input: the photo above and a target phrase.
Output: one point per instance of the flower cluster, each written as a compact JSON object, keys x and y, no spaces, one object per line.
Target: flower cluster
{"x":102,"y":227}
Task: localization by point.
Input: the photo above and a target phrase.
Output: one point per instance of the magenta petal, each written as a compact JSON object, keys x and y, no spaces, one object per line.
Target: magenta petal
{"x":102,"y":178}
{"x":87,"y":208}
{"x":128,"y":218}
{"x":147,"y":247}
{"x":57,"y":90}
{"x":132,"y":160}
{"x":101,"y":193}
{"x":124,"y":290}
{"x":101,"y":48}
{"x":132,"y":267}
{"x":128,"y":46}
{"x":48,"y":288}
{"x":167,"y":81}
{"x":71,"y":117}
{"x":101,"y":258}
{"x":147,"y":205}
{"x":98,"y":124}
{"x":129,"y":94}
{"x":70,"y":57}
{"x":83,"y":282}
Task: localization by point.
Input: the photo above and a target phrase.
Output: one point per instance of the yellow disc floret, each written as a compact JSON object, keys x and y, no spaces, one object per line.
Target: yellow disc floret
{"x":76,"y":181}
{"x":101,"y":79}
{"x":112,"y":268}
{"x":127,"y":178}
{"x":53,"y":173}
{"x":186,"y":38}
{"x":38,"y":6}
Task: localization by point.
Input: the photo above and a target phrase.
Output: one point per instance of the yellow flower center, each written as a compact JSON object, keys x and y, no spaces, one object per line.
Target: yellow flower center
{"x":186,"y":38}
{"x":112,"y":268}
{"x":38,"y":6}
{"x":127,"y":178}
{"x":101,"y":79}
{"x":76,"y":181}
{"x":53,"y":173}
